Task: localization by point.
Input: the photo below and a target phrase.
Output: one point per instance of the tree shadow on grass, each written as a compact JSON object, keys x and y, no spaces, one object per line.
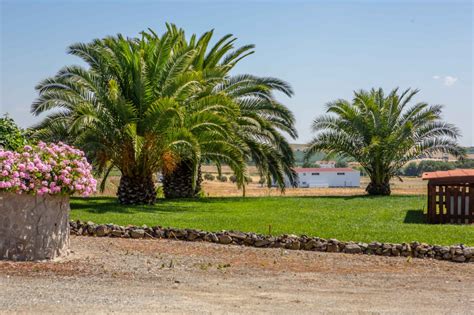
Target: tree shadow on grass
{"x":415,"y":216}
{"x":100,"y":205}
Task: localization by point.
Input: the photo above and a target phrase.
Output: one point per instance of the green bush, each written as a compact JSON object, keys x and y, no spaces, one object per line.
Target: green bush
{"x":159,"y":192}
{"x":222,"y":178}
{"x":411,"y":169}
{"x":465,"y":164}
{"x":233,"y":178}
{"x":11,"y":136}
{"x":414,"y":169}
{"x":341,"y":163}
{"x":209,"y":177}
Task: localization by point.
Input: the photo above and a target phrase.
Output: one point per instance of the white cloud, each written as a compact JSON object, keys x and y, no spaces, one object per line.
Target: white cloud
{"x":449,"y":80}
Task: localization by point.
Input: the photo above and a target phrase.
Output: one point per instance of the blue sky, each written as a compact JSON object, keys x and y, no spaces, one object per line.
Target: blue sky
{"x":324,"y":49}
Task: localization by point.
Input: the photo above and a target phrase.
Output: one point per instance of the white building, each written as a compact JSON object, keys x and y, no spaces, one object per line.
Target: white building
{"x":328,"y":177}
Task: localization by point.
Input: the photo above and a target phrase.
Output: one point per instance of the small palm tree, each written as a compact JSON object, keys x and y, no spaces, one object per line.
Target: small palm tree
{"x":383,"y":133}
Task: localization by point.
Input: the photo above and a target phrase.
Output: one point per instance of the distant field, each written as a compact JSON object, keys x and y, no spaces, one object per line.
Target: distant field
{"x":409,"y":186}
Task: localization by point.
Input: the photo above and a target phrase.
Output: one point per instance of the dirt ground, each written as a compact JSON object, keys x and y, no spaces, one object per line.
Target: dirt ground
{"x":162,"y":276}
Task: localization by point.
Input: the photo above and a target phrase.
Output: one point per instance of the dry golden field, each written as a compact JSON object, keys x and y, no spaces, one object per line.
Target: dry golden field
{"x":409,"y":186}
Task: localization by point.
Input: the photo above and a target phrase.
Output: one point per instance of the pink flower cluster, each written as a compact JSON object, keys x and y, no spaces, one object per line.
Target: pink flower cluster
{"x":46,"y":169}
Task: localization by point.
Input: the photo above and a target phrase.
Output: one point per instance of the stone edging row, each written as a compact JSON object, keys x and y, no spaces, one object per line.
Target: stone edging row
{"x":455,"y":253}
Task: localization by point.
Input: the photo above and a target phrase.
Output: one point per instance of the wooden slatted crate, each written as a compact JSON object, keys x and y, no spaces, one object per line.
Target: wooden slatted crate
{"x":450,"y":196}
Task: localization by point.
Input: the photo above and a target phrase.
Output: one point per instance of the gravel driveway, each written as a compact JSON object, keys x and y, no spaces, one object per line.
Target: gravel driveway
{"x":104,"y":275}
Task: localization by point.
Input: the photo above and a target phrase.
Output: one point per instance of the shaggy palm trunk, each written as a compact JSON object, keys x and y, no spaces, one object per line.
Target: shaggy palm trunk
{"x":136,"y":190}
{"x":179,"y":184}
{"x":378,"y":189}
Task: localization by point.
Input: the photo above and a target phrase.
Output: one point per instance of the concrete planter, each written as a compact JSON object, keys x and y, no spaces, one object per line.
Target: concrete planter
{"x":33,"y":227}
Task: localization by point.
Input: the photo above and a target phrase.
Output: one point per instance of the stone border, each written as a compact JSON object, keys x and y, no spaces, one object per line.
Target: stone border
{"x":455,"y":253}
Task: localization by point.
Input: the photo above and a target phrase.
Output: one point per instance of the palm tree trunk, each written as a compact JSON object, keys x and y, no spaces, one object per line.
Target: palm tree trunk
{"x":136,"y":190}
{"x":379,"y":188}
{"x":179,"y":184}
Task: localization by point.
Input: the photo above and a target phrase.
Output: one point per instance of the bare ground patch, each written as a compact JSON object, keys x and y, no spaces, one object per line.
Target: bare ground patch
{"x":163,"y":276}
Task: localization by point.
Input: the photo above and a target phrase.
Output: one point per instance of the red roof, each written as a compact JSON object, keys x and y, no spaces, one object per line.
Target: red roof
{"x":448,"y":174}
{"x":320,"y":170}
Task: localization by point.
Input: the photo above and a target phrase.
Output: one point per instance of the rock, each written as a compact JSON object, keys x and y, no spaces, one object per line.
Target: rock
{"x":363,"y":246}
{"x":240,"y":236}
{"x":310,"y":244}
{"x":101,"y":230}
{"x":386,"y":246}
{"x":277,"y":244}
{"x":192,"y":235}
{"x":293,"y":245}
{"x":352,"y":249}
{"x":453,"y":249}
{"x":447,"y":256}
{"x":421,"y":250}
{"x":444,"y":249}
{"x":468,"y":252}
{"x":321,"y":246}
{"x":90,"y":228}
{"x":262,"y":243}
{"x":459,"y":258}
{"x":225,"y":239}
{"x":116,"y":233}
{"x":333,"y":248}
{"x":374,"y":245}
{"x":137,"y":233}
{"x":213,"y":237}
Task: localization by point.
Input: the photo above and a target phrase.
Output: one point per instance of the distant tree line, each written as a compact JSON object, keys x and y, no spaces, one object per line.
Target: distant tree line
{"x":417,"y":169}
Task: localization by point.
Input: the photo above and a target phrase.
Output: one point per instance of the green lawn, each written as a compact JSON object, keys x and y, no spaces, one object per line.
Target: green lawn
{"x":385,"y":219}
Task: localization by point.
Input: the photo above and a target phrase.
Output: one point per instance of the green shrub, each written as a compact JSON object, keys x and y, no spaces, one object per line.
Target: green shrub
{"x":414,"y":169}
{"x":159,"y":192}
{"x":341,"y":163}
{"x":209,"y":177}
{"x":411,"y":169}
{"x":222,"y":178}
{"x":233,"y":178}
{"x":11,"y":136}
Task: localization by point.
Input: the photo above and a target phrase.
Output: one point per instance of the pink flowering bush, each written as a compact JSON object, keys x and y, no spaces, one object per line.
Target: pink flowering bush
{"x":46,"y":169}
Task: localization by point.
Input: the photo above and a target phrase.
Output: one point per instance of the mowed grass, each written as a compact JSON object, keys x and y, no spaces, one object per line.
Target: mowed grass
{"x":360,"y":218}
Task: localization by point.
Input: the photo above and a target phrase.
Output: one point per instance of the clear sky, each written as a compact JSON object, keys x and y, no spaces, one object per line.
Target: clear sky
{"x":325,"y":49}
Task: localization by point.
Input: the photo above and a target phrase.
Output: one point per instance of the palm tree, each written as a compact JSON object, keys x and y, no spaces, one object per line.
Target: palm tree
{"x":383,"y":133}
{"x":140,"y":107}
{"x":260,"y":124}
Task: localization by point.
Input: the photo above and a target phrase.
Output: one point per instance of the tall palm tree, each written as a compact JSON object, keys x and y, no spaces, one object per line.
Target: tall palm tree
{"x":140,"y":107}
{"x":260,"y":124}
{"x":382,"y":133}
